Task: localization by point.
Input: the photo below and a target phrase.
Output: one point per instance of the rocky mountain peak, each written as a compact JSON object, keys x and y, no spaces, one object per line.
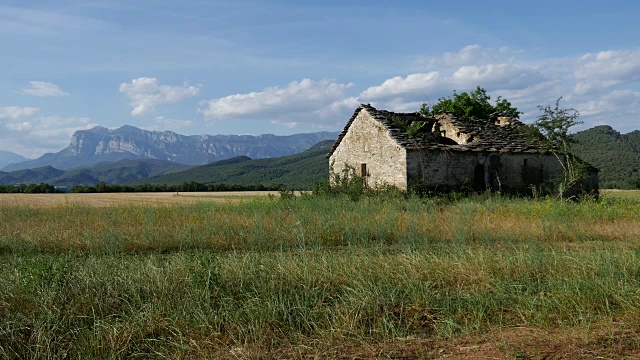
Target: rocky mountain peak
{"x":129,"y":142}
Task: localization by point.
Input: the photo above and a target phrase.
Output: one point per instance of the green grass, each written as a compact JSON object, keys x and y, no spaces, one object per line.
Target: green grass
{"x":209,"y":279}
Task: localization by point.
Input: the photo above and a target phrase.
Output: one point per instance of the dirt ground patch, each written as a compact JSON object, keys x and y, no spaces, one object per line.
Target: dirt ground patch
{"x":509,"y":343}
{"x":111,"y":199}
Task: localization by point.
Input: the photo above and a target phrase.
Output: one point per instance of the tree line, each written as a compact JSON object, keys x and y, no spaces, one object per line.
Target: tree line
{"x":41,"y":188}
{"x":187,"y":186}
{"x":102,"y":187}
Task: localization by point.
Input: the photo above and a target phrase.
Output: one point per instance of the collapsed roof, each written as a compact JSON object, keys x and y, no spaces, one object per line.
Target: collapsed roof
{"x":446,"y":132}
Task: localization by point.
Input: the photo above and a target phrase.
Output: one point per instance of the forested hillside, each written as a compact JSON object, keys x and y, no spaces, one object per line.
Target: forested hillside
{"x":298,"y":171}
{"x":116,"y":172}
{"x":616,"y":155}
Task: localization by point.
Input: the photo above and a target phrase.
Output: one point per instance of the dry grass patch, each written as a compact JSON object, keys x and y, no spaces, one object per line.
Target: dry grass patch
{"x":625,"y":194}
{"x":120,"y":199}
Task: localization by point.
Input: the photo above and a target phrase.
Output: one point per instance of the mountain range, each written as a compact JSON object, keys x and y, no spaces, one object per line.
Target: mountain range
{"x":7,"y":157}
{"x":616,"y":155}
{"x":116,"y":172}
{"x":300,"y":171}
{"x":97,"y":145}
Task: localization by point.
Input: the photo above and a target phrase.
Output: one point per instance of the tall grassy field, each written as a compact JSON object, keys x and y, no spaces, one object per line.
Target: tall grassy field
{"x":212,"y":279}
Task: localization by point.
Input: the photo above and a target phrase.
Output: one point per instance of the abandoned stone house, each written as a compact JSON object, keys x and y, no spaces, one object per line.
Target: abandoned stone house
{"x":444,"y":152}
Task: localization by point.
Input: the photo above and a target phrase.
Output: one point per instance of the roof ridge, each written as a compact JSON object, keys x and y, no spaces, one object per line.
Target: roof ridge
{"x":485,"y":134}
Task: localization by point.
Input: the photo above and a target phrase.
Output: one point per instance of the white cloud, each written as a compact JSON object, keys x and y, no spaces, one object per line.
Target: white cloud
{"x":146,"y":93}
{"x":41,"y":134}
{"x":306,"y":101}
{"x":41,"y":88}
{"x":422,"y":87}
{"x":18,"y":126}
{"x":327,"y":103}
{"x":606,"y":69}
{"x":414,"y":84}
{"x":527,"y":99}
{"x":16,"y":112}
{"x":337,"y":108}
{"x":603,"y":86}
{"x":505,"y":76}
{"x":619,"y":107}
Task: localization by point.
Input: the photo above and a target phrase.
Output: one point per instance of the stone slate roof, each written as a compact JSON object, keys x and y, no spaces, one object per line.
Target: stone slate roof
{"x":487,"y":135}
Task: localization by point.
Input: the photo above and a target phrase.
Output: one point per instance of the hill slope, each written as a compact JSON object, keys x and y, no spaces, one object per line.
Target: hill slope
{"x":110,"y":172}
{"x":616,"y":155}
{"x":298,"y":171}
{"x":30,"y":176}
{"x":89,"y":147}
{"x":7,"y":157}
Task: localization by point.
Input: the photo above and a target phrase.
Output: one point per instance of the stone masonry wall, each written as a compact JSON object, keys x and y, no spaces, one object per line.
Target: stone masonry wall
{"x":368,"y":142}
{"x":509,"y":172}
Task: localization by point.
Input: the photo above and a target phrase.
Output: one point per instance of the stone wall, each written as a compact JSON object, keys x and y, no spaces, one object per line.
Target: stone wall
{"x":498,"y":171}
{"x":448,"y":130}
{"x":368,"y":142}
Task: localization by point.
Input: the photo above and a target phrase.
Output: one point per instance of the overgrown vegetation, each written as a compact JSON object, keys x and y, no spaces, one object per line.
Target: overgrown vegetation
{"x":552,"y":131}
{"x":471,"y":105}
{"x":266,"y":275}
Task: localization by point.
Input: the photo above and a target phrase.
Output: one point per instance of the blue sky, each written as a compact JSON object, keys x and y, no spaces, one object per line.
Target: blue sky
{"x":283,"y":67}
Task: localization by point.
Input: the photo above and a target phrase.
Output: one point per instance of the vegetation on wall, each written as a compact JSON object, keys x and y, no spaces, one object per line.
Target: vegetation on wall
{"x":552,"y":131}
{"x":471,"y":105}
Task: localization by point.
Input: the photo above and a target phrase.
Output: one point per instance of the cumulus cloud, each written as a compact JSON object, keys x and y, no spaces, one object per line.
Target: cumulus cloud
{"x":606,"y":69}
{"x":423,"y":86}
{"x":337,"y":108}
{"x":16,"y":112}
{"x":44,"y":89}
{"x":603,"y":86}
{"x":147,"y":93}
{"x":414,"y":85}
{"x":41,"y":134}
{"x":506,"y":76}
{"x":304,"y":101}
{"x":618,"y":108}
